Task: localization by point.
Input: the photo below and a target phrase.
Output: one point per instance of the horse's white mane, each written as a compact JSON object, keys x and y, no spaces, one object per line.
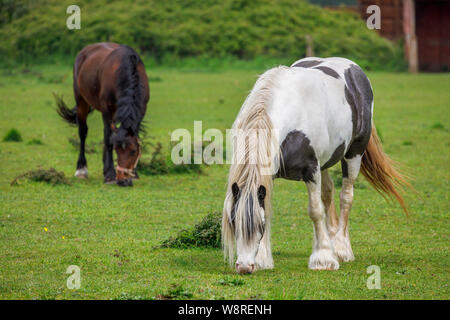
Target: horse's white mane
{"x":249,"y":175}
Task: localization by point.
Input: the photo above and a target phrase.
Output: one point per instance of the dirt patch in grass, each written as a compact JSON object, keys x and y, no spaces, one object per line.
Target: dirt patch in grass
{"x":204,"y":234}
{"x":50,"y":176}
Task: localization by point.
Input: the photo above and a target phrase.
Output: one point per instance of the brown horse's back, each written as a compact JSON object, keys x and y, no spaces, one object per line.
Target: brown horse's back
{"x":88,"y":66}
{"x":95,"y":75}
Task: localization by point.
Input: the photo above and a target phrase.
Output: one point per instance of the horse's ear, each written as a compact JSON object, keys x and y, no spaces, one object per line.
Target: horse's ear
{"x":261,"y":195}
{"x":235,"y":190}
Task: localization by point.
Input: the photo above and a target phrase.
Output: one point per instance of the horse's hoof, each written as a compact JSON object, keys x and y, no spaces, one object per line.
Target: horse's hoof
{"x":323,"y":259}
{"x":125,"y":182}
{"x":343,"y":248}
{"x":81,"y":173}
{"x":110,"y":181}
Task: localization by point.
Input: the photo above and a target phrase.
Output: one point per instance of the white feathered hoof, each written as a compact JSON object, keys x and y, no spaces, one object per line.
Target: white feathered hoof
{"x":323,"y":259}
{"x":81,"y":173}
{"x":343,"y":248}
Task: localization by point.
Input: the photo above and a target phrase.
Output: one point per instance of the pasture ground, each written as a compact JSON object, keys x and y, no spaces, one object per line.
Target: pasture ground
{"x":110,"y":231}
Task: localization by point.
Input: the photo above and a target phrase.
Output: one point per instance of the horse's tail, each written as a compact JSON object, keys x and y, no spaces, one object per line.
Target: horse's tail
{"x":381,"y":172}
{"x":68,"y":115}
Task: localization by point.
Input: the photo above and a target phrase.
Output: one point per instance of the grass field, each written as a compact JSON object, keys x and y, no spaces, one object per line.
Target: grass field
{"x":110,"y":232}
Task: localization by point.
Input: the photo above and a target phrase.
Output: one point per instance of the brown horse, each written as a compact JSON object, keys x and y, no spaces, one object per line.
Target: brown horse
{"x":110,"y":78}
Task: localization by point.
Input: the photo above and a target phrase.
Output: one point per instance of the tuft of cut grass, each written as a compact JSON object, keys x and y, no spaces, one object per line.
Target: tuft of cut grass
{"x":13,"y":135}
{"x":35,"y":141}
{"x":50,"y":176}
{"x":176,"y":291}
{"x":438,"y":126}
{"x":231,"y":282}
{"x":159,"y":164}
{"x":205,"y":234}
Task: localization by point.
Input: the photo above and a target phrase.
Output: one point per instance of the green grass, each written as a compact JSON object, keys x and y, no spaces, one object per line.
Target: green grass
{"x":110,"y":232}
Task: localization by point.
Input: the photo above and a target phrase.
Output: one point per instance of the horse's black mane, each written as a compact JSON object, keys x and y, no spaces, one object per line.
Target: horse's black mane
{"x":131,"y":96}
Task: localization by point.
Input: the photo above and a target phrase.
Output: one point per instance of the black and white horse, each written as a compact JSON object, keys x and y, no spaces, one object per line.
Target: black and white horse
{"x":307,"y":118}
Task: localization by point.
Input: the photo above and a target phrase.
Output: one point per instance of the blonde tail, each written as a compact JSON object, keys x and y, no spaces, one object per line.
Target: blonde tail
{"x":381,"y":172}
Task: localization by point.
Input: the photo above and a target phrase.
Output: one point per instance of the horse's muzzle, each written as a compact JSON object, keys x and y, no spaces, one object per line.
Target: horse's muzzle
{"x":125,"y":182}
{"x":241,"y":269}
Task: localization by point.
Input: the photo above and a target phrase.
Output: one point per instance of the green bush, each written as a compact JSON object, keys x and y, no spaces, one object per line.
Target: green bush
{"x":179,"y":29}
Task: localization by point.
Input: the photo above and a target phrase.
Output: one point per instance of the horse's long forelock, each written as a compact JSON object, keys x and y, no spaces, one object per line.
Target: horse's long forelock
{"x":131,"y":93}
{"x":249,"y":176}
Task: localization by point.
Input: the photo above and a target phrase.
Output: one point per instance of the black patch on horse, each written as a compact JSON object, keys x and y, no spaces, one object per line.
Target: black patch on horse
{"x":328,"y":71}
{"x":299,"y":160}
{"x":249,"y":212}
{"x":130,"y":100}
{"x":337,"y":155}
{"x":359,"y":96}
{"x":307,"y":63}
{"x":344,"y":168}
{"x":261,"y":196}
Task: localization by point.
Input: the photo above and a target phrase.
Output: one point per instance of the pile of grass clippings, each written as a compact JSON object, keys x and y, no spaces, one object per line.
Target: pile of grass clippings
{"x":159,"y":164}
{"x":35,"y":141}
{"x":13,"y":135}
{"x":50,"y":176}
{"x":204,"y":234}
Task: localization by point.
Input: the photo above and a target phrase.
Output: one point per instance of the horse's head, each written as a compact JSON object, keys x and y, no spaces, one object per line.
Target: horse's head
{"x":243,"y":225}
{"x":128,"y":149}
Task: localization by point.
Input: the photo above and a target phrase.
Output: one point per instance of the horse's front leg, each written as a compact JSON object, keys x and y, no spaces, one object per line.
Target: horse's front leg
{"x":341,"y":240}
{"x":322,"y":257}
{"x":109,"y":173}
{"x":264,"y":258}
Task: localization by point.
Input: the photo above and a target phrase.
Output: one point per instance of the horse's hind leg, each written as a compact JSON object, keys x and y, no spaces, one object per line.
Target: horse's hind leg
{"x":328,"y":201}
{"x":341,"y":241}
{"x":322,"y":257}
{"x":82,"y":113}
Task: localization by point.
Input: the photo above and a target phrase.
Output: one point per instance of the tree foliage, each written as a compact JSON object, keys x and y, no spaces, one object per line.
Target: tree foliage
{"x":244,"y":29}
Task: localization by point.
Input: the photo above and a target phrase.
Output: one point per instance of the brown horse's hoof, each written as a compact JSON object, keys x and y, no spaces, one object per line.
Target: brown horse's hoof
{"x":125,"y":182}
